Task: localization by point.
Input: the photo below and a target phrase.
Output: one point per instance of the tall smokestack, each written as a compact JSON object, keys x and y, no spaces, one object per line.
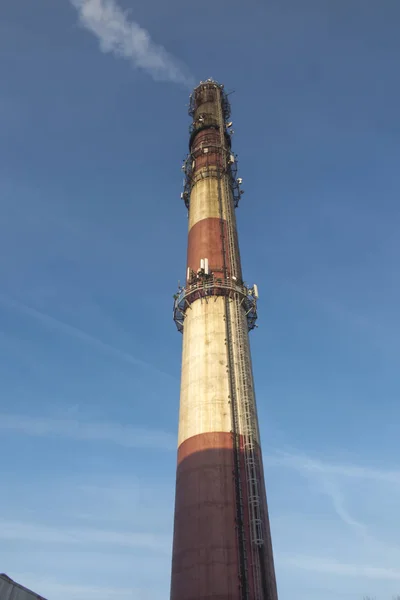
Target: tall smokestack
{"x":222,"y":542}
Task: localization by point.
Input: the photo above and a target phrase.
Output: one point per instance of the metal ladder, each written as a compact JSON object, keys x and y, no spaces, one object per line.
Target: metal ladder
{"x":245,"y":418}
{"x":250,"y":446}
{"x":240,"y":529}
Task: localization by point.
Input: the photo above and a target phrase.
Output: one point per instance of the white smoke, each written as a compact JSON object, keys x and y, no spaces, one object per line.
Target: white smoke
{"x":126,"y":39}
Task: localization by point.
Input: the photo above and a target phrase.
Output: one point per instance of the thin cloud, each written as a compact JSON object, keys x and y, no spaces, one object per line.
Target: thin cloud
{"x":334,"y":493}
{"x":325,"y":475}
{"x":122,"y":435}
{"x":42,"y":534}
{"x":301,"y":462}
{"x":319,"y":565}
{"x":331,"y":479}
{"x":79,"y":334}
{"x":126,"y":39}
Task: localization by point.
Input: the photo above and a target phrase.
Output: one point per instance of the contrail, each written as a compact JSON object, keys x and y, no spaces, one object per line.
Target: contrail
{"x":126,"y":39}
{"x":81,"y":335}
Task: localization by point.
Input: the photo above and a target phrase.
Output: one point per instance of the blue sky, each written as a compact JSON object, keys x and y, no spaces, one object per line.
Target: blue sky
{"x":93,"y":240}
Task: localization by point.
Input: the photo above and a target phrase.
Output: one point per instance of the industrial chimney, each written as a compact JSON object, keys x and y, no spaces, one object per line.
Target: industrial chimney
{"x":222,"y":542}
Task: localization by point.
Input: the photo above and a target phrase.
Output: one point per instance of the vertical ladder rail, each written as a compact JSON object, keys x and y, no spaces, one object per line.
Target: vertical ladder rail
{"x":250,"y":446}
{"x":244,"y":390}
{"x":243,"y":569}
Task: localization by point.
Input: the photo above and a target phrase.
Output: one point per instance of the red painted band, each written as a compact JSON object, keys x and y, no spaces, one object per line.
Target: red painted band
{"x":205,"y":241}
{"x":206,"y":550}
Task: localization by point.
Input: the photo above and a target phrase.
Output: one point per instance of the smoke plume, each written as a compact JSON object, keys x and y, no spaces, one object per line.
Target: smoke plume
{"x":124,"y":38}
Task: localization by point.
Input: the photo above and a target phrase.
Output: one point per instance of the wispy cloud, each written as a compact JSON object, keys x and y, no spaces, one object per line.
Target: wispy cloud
{"x":301,"y":462}
{"x":123,"y":435}
{"x":28,"y":532}
{"x":325,"y":476}
{"x":344,"y":485}
{"x":124,"y":38}
{"x":337,"y":499}
{"x":316,"y":564}
{"x":79,"y":334}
